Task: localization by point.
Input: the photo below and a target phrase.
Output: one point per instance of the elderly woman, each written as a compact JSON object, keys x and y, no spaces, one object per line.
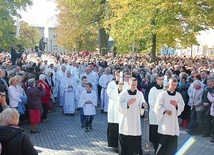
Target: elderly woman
{"x":13,"y":139}
{"x":196,"y":103}
{"x":14,"y":93}
{"x":48,"y":78}
{"x":20,"y":85}
{"x":46,"y":97}
{"x":34,"y":103}
{"x":23,"y":97}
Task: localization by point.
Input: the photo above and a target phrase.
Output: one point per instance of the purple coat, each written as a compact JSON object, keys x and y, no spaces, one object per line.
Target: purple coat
{"x":34,"y":98}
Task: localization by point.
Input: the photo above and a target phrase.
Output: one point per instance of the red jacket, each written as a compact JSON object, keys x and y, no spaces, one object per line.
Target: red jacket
{"x":46,"y":97}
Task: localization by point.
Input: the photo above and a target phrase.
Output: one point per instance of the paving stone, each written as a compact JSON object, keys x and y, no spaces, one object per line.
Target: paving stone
{"x":62,"y":135}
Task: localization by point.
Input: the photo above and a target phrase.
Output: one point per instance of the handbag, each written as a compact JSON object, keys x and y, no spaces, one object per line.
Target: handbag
{"x":50,"y":105}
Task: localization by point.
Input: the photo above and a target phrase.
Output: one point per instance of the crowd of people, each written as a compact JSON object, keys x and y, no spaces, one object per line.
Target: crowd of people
{"x":179,"y":89}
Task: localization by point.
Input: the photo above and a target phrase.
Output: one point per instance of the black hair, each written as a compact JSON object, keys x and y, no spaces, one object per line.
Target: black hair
{"x":159,"y":75}
{"x":83,"y":77}
{"x":89,"y":84}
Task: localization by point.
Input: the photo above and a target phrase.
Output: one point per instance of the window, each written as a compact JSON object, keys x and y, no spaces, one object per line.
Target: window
{"x":212,"y":52}
{"x":54,"y":47}
{"x":54,"y":35}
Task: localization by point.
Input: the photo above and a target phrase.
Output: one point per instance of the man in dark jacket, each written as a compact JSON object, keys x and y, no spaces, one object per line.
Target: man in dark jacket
{"x":14,"y":55}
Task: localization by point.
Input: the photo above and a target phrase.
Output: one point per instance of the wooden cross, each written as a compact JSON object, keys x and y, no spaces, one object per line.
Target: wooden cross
{"x":133,"y":47}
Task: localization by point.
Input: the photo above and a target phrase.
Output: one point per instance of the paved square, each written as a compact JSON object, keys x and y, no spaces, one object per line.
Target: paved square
{"x":63,"y":135}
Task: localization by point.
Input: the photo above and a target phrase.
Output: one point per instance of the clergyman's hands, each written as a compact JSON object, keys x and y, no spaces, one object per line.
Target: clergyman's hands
{"x":131,"y":101}
{"x":145,"y":105}
{"x":169,"y":112}
{"x":173,"y":102}
{"x":89,"y":102}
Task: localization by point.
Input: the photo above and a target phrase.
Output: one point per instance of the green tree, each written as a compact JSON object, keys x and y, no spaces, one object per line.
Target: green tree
{"x":80,"y":24}
{"x":8,"y":10}
{"x":29,"y":36}
{"x":158,"y":22}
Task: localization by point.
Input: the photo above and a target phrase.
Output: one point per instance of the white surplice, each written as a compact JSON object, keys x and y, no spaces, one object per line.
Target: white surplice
{"x":68,"y":100}
{"x":104,"y":79}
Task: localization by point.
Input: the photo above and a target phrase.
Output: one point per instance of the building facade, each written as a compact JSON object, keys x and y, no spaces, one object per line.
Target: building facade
{"x":50,"y":37}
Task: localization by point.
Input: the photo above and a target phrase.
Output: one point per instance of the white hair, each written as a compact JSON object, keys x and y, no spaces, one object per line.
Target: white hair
{"x":154,"y":70}
{"x":135,"y":71}
{"x":153,"y":77}
{"x":197,"y":83}
{"x":47,"y":71}
{"x":9,"y":116}
{"x":42,"y":77}
{"x":68,"y":71}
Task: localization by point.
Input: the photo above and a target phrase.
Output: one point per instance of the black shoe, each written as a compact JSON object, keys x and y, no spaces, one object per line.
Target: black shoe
{"x":44,"y":120}
{"x":102,"y":111}
{"x":82,"y":126}
{"x":116,"y":149}
{"x":205,"y":135}
{"x":34,"y":131}
{"x":86,"y":129}
{"x":212,"y":140}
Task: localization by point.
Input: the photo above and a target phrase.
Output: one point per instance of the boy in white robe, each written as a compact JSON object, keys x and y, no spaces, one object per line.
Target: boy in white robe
{"x":79,"y":90}
{"x":88,"y":100}
{"x":131,"y":102}
{"x":168,"y":107}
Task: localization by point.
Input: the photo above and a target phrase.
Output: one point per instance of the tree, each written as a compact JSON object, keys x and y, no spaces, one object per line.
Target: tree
{"x":158,"y":22}
{"x":8,"y":10}
{"x":29,"y":36}
{"x":80,"y":24}
{"x":7,"y":31}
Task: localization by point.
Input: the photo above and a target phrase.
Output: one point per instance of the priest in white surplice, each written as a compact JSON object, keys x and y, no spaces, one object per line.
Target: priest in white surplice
{"x":56,"y":82}
{"x":131,"y":102}
{"x":113,"y":90}
{"x":103,"y":82}
{"x":68,"y":86}
{"x":168,"y":107}
{"x":90,"y":77}
{"x":61,"y":76}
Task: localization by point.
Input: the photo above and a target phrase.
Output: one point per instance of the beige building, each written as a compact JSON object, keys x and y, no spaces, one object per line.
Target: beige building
{"x":50,"y":36}
{"x":205,"y":48}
